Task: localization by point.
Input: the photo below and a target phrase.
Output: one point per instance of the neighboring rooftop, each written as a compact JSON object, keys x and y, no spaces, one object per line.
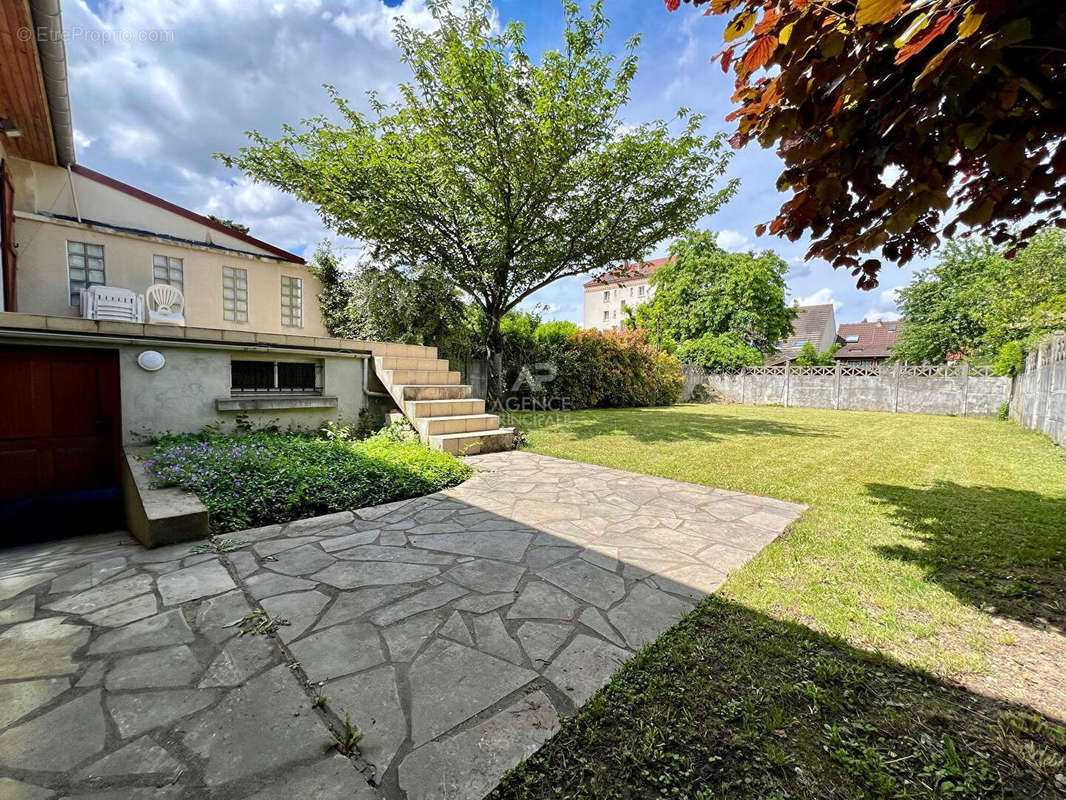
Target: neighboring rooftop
{"x":867,"y":339}
{"x":809,"y":325}
{"x":630,"y":271}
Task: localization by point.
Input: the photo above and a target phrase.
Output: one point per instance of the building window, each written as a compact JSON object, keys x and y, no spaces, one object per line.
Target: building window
{"x":616,"y":314}
{"x":170,"y":271}
{"x":234,"y":294}
{"x":607,"y":296}
{"x":606,"y":316}
{"x":800,"y":342}
{"x":851,"y":338}
{"x":85,"y":266}
{"x":292,"y":302}
{"x":263,"y":377}
{"x":892,"y":327}
{"x":640,"y":291}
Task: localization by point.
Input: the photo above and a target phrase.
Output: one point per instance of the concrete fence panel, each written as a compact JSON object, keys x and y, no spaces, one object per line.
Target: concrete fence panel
{"x":947,"y":389}
{"x":1039,"y":397}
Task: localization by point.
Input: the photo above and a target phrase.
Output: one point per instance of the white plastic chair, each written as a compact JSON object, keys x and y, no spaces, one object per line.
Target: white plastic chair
{"x":111,"y":303}
{"x":166,"y":304}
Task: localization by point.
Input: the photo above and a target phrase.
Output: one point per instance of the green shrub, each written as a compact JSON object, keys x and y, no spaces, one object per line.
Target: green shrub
{"x":1010,"y":360}
{"x":615,"y":370}
{"x":267,"y":477}
{"x":1004,"y":412}
{"x":720,"y":353}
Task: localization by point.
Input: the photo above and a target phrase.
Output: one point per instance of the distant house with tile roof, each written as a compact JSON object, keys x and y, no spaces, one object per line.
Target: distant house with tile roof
{"x":629,"y":284}
{"x":867,"y":343}
{"x":814,"y":324}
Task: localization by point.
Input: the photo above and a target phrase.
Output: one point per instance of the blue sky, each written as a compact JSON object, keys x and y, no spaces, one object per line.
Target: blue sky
{"x":160,"y":85}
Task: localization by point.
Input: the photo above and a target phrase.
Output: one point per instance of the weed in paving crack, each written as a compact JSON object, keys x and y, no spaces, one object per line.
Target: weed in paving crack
{"x":257,"y":623}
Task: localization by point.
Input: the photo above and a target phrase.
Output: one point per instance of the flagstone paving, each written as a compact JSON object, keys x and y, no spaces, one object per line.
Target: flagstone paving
{"x":454,"y":630}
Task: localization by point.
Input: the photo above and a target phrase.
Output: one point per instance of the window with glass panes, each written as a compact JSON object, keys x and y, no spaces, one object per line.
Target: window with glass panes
{"x":85,"y":265}
{"x":292,"y":302}
{"x":234,"y":294}
{"x":170,"y":271}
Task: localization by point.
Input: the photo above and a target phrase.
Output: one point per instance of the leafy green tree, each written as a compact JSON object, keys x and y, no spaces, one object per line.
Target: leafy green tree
{"x":809,"y":357}
{"x":229,"y":223}
{"x":501,"y":173}
{"x":960,"y":101}
{"x":707,"y":290}
{"x":1010,"y":360}
{"x":975,"y":300}
{"x":393,"y":305}
{"x":719,"y":353}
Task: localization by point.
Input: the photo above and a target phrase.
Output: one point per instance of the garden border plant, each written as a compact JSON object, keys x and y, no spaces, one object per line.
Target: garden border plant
{"x":254,"y":478}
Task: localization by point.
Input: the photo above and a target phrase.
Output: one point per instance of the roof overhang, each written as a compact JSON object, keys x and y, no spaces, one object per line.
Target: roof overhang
{"x":34,"y":96}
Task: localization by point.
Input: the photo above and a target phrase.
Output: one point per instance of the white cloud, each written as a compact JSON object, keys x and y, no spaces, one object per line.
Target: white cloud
{"x":733,"y":241}
{"x":81,"y":141}
{"x":133,"y":143}
{"x":820,"y":297}
{"x":884,"y":308}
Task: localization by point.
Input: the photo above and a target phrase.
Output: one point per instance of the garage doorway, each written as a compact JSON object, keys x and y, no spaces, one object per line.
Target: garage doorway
{"x":60,"y":443}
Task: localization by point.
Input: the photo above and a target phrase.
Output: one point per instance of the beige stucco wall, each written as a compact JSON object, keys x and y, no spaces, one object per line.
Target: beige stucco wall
{"x":595,"y":304}
{"x":180,"y":398}
{"x":43,"y":286}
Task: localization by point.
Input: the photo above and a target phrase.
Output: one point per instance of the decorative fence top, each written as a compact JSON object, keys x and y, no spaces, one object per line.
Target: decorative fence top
{"x":1050,"y":351}
{"x":956,"y":370}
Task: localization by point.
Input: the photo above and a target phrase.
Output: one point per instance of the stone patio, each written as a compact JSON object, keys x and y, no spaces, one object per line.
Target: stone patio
{"x":454,"y":629}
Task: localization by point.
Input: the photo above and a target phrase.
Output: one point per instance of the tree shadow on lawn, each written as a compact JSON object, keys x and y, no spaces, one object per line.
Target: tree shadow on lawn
{"x":733,"y":704}
{"x":655,"y":425}
{"x":1002,"y":550}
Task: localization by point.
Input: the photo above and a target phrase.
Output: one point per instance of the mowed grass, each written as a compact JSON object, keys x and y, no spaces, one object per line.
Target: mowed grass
{"x":933,"y":554}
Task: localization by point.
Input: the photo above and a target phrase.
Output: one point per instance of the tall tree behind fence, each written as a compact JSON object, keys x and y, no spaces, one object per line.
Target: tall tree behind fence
{"x":956,"y":389}
{"x":1039,"y":398}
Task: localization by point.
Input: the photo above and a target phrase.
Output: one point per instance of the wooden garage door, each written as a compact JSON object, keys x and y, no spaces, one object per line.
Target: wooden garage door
{"x":59,"y":428}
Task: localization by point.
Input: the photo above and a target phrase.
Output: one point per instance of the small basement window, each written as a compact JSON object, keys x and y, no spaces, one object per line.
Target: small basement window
{"x":275,"y":377}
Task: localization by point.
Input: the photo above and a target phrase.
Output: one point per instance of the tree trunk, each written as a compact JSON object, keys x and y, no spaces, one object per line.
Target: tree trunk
{"x":494,"y":360}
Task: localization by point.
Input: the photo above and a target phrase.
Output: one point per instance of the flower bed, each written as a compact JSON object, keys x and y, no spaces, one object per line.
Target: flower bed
{"x":266,"y":477}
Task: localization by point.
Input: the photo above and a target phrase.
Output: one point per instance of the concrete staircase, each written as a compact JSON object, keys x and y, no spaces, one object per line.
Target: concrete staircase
{"x":444,"y":412}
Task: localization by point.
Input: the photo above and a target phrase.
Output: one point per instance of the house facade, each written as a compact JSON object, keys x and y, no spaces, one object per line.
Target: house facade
{"x":79,"y":388}
{"x":867,"y":344}
{"x":813,"y":324}
{"x":77,"y":228}
{"x":606,"y":296}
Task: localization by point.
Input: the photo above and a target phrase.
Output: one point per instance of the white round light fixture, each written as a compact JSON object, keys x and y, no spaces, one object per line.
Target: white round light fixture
{"x":151,"y":360}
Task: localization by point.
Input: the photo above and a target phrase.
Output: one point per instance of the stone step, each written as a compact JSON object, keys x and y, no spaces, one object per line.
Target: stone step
{"x":464,"y":423}
{"x":405,"y":362}
{"x":432,"y":391}
{"x":470,"y":444}
{"x":398,"y":377}
{"x":419,"y":409}
{"x":390,"y":350}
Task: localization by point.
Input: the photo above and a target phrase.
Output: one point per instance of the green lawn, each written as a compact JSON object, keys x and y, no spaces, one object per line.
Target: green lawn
{"x":932,"y":560}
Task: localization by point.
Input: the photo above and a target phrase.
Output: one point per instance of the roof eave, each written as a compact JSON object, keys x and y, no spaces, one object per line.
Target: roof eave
{"x":52,"y":52}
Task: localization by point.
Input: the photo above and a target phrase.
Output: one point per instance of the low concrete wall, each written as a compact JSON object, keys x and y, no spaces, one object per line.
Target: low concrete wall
{"x":183,"y":396}
{"x":1039,"y":397}
{"x":957,"y":390}
{"x":159,"y":516}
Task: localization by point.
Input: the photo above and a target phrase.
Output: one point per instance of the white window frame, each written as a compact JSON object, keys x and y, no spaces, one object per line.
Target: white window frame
{"x":235,"y":314}
{"x":607,"y":296}
{"x":606,"y":315}
{"x":72,"y":295}
{"x":168,"y":266}
{"x":640,"y":291}
{"x":294,"y":310}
